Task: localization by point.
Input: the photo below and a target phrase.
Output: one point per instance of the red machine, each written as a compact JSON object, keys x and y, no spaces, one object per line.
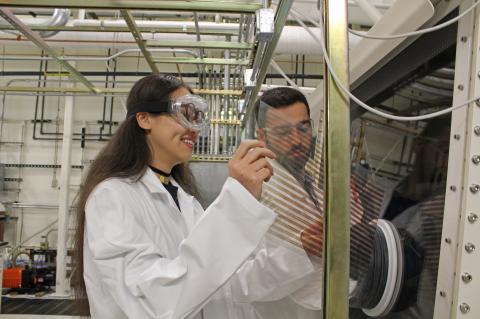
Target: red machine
{"x":12,"y":277}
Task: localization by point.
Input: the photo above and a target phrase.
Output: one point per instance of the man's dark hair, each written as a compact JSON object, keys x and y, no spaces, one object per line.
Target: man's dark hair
{"x":278,"y":98}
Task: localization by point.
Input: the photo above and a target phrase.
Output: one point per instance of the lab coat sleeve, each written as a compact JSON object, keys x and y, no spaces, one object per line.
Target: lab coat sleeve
{"x":276,"y":270}
{"x":132,"y":265}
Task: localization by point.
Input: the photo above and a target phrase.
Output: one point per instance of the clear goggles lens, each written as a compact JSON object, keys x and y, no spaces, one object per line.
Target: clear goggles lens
{"x":191,"y":111}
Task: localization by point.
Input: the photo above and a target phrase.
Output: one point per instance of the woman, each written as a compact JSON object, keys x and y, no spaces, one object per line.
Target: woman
{"x":144,"y":246}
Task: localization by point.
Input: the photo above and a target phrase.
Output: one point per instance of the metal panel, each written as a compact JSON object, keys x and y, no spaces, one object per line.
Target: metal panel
{"x":467,"y":281}
{"x":210,"y":177}
{"x":197,"y":5}
{"x":454,"y":223}
{"x":337,"y":166}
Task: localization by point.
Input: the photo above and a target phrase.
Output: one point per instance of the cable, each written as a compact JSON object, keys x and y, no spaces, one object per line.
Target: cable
{"x":419,"y":32}
{"x":362,"y":104}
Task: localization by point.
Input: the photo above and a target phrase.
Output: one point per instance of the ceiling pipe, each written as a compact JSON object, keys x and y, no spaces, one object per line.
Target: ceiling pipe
{"x":59,"y":17}
{"x":293,"y":40}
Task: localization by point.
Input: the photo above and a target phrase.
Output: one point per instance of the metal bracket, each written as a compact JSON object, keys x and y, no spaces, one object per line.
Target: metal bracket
{"x":132,"y":25}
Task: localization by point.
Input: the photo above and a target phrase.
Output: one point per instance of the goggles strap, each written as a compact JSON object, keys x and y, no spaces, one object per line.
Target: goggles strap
{"x":151,"y":106}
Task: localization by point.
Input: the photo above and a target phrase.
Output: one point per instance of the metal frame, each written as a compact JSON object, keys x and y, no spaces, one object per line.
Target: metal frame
{"x":201,"y":45}
{"x":197,"y":5}
{"x":124,"y":91}
{"x":458,"y":280}
{"x":35,"y":38}
{"x":337,"y":165}
{"x":137,"y":35}
{"x":213,"y":61}
{"x":262,"y":59}
{"x":187,"y":30}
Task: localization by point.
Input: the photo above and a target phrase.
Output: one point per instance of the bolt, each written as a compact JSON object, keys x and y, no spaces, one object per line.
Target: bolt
{"x":453,"y":188}
{"x":448,"y":240}
{"x":464,"y":307}
{"x":460,"y":87}
{"x":456,"y":136}
{"x":472,"y":218}
{"x":476,"y":130}
{"x":474,"y":188}
{"x":443,"y":294}
{"x":469,"y":247}
{"x":466,"y":277}
{"x":464,"y":39}
{"x":476,"y":159}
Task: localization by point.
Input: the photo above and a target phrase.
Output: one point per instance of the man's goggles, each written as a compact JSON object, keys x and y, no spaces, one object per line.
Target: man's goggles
{"x":189,"y":110}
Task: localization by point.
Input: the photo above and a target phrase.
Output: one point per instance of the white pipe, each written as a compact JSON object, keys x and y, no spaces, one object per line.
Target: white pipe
{"x":370,"y":10}
{"x":59,"y":18}
{"x":86,"y":58}
{"x":293,"y":40}
{"x":211,"y":26}
{"x":62,"y":287}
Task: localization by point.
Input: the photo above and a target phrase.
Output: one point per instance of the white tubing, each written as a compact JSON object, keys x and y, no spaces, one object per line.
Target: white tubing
{"x":384,"y":302}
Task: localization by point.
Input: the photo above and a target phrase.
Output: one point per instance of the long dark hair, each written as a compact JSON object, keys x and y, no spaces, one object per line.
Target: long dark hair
{"x":127,"y":154}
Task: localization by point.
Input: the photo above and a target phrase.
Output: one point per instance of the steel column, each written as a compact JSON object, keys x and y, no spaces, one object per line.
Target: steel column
{"x":62,"y":285}
{"x":337,"y":165}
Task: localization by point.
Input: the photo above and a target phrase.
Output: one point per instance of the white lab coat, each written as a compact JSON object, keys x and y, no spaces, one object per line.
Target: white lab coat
{"x":143,"y":258}
{"x":286,"y":197}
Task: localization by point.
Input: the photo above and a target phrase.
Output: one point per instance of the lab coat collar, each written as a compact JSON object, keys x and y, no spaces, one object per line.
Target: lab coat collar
{"x":151,"y":181}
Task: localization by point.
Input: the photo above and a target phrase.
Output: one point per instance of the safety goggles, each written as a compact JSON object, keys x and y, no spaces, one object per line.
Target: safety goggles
{"x":191,"y":111}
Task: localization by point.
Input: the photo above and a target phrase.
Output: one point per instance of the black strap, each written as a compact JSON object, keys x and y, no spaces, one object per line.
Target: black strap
{"x":150,"y":106}
{"x":159,"y":171}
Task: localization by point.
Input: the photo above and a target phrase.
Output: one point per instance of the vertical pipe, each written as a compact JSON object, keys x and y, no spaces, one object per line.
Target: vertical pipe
{"x":217,"y":113}
{"x":226,"y":104}
{"x":62,"y":288}
{"x":212,"y":112}
{"x":337,"y":166}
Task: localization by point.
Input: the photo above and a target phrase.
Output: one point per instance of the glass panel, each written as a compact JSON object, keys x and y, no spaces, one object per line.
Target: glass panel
{"x":411,"y":174}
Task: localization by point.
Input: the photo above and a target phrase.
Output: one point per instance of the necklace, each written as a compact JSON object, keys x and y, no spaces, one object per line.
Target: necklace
{"x":162,"y":176}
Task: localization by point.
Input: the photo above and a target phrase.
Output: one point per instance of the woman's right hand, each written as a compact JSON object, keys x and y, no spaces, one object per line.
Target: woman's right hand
{"x":250,"y":167}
